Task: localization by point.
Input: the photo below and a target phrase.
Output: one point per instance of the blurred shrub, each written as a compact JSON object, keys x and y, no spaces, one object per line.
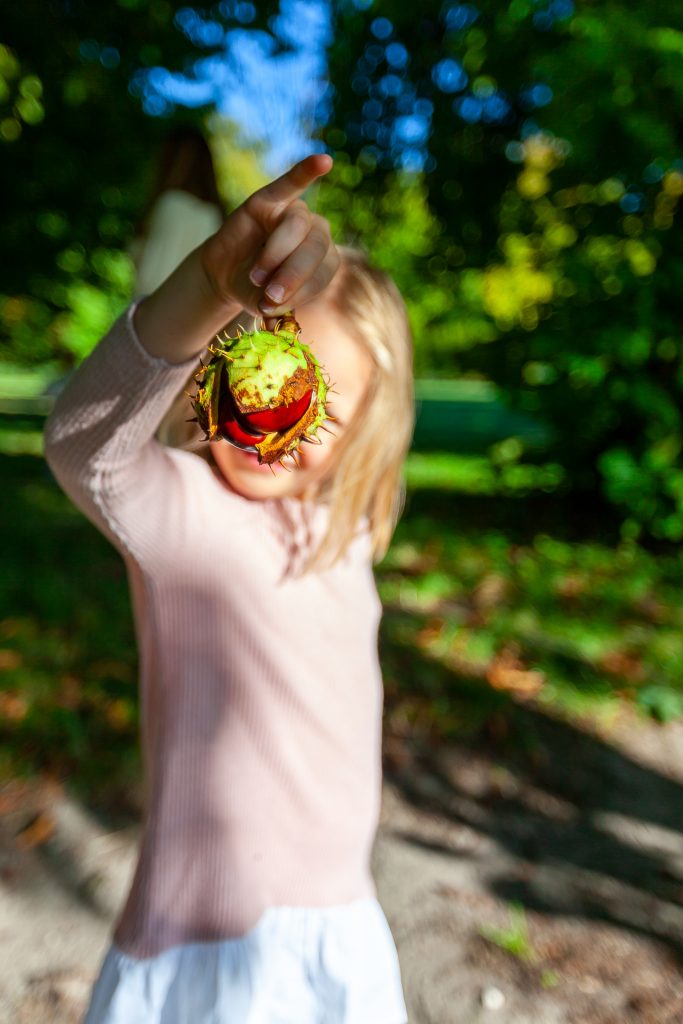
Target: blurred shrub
{"x":584,"y":298}
{"x":543,"y":149}
{"x":76,"y":155}
{"x":516,"y":167}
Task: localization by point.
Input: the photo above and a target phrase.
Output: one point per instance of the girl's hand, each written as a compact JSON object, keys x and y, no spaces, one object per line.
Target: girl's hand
{"x":272,"y":253}
{"x":274,"y":232}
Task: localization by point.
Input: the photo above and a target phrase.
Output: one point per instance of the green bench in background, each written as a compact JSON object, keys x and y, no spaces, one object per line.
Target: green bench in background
{"x":464,"y":416}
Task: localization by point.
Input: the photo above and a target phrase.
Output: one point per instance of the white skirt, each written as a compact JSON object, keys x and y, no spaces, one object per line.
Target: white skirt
{"x":297,"y":965}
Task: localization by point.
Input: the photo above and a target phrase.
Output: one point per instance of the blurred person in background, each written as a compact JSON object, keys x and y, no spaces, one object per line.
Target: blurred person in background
{"x":183,"y":210}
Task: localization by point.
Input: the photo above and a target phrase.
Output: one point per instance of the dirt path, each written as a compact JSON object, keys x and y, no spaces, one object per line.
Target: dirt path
{"x":585,"y":831}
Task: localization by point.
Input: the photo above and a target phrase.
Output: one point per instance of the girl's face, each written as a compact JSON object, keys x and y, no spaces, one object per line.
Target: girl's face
{"x":349,"y":368}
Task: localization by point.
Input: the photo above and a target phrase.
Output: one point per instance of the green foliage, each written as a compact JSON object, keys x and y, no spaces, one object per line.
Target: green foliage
{"x":514,"y":938}
{"x":76,"y":155}
{"x":605,"y":370}
{"x":580,"y":626}
{"x":398,"y":230}
{"x":661,"y":702}
{"x":539,"y":250}
{"x":69,"y":704}
{"x":555,"y":244}
{"x":91,"y":306}
{"x":20,"y":97}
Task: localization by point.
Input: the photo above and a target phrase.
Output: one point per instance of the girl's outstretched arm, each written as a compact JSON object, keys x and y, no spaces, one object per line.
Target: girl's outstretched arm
{"x":99,"y":442}
{"x":99,"y":436}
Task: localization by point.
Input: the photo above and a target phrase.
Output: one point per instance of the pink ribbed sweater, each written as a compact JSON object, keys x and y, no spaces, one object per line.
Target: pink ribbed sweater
{"x":261,"y":695}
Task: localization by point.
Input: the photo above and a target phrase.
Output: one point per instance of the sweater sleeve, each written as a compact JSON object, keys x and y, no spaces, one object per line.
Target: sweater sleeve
{"x":100,"y":445}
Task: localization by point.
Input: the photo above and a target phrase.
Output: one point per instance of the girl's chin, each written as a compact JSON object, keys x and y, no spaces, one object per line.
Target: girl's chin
{"x":244,"y":458}
{"x":248,"y":462}
{"x":245,"y":475}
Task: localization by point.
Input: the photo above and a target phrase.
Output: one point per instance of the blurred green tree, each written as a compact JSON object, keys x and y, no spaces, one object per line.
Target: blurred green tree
{"x":544,"y":139}
{"x":76,"y":155}
{"x":517,"y":168}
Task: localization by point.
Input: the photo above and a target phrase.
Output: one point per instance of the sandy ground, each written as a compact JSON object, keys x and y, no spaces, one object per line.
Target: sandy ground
{"x":586,"y":834}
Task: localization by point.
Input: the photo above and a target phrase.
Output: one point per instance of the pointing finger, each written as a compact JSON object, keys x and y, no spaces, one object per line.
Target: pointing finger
{"x":268,"y":202}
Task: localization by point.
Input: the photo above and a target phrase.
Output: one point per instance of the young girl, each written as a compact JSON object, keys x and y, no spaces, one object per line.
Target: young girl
{"x":256,"y":619}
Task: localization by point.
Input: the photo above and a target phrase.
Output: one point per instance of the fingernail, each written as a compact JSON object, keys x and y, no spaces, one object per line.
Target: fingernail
{"x":275,"y":292}
{"x":258,"y":276}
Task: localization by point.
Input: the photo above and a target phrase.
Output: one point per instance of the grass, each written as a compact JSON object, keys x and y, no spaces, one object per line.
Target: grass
{"x":509,"y":595}
{"x":514,"y":938}
{"x":68,"y":702}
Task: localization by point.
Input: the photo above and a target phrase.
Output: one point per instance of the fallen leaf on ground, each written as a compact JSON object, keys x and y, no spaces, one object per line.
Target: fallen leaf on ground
{"x":9,"y":659}
{"x":36,"y":833}
{"x":507,"y":672}
{"x":623,"y":664}
{"x":13,"y":706}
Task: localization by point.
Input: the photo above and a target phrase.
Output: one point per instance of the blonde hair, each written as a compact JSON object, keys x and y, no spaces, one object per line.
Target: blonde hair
{"x":363,"y":482}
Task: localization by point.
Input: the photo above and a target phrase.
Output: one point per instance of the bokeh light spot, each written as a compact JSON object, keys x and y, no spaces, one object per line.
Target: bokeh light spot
{"x":449,"y":76}
{"x":460,"y":16}
{"x":469,"y":108}
{"x":381,"y":28}
{"x":110,"y":57}
{"x":396,"y":55}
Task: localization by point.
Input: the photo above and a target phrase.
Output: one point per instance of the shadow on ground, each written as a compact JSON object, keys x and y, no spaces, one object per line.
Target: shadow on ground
{"x":594,"y":833}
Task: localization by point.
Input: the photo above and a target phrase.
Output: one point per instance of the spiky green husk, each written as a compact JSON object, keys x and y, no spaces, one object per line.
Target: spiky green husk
{"x":205,"y":402}
{"x":263,"y":370}
{"x":258,"y":369}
